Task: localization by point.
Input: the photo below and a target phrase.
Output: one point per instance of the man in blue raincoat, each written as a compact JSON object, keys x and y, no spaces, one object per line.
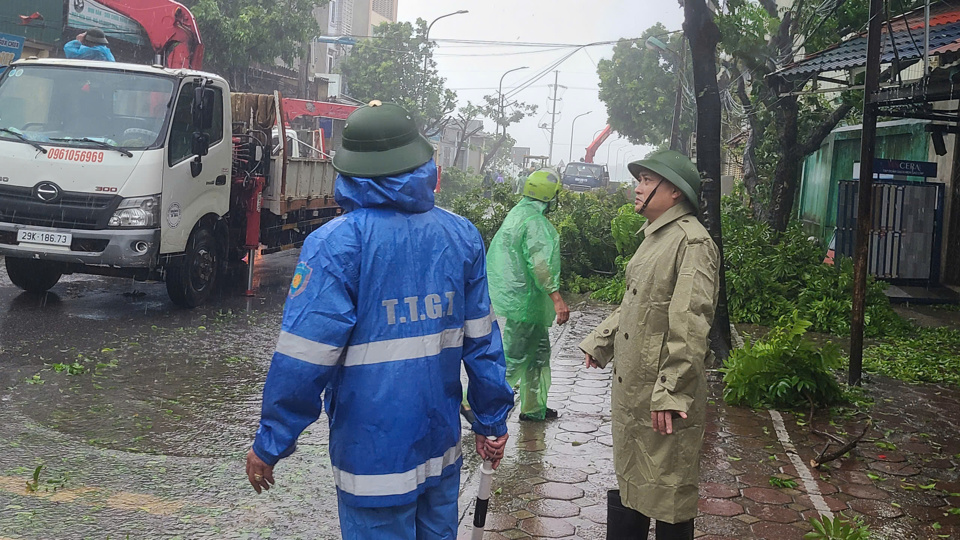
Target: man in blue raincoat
{"x":90,"y":45}
{"x":387,"y":301}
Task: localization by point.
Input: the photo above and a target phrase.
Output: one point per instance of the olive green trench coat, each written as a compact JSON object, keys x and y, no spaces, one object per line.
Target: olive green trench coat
{"x":658,"y":338}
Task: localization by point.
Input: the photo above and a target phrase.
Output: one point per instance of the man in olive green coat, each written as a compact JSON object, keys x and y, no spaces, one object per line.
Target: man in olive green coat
{"x":659,"y":340}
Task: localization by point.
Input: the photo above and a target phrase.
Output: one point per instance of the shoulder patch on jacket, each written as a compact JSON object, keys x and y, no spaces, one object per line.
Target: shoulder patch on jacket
{"x":695,"y":231}
{"x":300,"y":278}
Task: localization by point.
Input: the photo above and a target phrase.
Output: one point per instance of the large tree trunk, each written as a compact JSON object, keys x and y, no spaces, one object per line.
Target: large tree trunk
{"x":703,"y":34}
{"x":784,"y":188}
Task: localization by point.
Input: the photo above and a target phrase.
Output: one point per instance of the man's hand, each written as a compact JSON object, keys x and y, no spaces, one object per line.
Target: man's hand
{"x":259,"y":473}
{"x":663,"y":420}
{"x":563,"y":312}
{"x":590,"y":362}
{"x":81,"y":36}
{"x":492,"y":449}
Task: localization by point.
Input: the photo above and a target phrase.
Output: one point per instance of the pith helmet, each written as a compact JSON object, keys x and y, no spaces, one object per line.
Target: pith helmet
{"x":96,"y":35}
{"x":542,"y":184}
{"x":676,"y":168}
{"x":381,"y":139}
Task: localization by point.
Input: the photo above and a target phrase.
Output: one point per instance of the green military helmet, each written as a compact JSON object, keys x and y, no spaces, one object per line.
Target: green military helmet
{"x":542,"y":184}
{"x":381,"y":139}
{"x":676,"y":168}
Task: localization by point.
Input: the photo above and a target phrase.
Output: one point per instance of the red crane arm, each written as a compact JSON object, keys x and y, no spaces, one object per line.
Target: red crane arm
{"x":170,"y":27}
{"x":595,"y":145}
{"x":293,"y":108}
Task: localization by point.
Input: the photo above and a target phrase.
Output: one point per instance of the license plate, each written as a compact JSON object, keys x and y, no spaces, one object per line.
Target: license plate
{"x":43,"y":237}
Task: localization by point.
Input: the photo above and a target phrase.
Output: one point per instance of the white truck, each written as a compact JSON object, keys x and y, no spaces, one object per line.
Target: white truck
{"x":145,"y":172}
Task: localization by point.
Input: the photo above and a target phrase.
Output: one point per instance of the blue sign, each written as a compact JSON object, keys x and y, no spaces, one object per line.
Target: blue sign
{"x":11,"y":47}
{"x":902,"y":167}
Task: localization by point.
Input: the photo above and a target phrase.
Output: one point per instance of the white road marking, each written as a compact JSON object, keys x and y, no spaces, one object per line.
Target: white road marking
{"x":813,"y":490}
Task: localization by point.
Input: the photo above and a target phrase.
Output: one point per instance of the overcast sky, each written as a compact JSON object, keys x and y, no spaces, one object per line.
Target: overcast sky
{"x":474,"y":70}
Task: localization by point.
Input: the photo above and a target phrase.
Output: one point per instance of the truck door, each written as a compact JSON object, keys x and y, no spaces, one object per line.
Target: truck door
{"x":187,"y":198}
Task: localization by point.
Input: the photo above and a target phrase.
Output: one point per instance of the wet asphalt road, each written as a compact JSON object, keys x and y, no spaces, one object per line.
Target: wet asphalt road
{"x":141,"y":414}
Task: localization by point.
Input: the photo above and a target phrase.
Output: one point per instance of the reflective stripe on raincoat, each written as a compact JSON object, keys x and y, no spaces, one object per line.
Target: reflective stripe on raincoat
{"x":524,"y":265}
{"x":386,"y":302}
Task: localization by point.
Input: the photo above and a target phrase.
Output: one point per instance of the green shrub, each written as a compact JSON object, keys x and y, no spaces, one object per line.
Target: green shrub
{"x":783,"y":370}
{"x":769,"y":275}
{"x":838,"y":528}
{"x":583,"y":220}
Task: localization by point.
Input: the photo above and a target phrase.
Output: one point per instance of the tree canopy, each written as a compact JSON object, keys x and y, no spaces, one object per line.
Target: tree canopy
{"x":639,"y":85}
{"x":237,"y":33}
{"x":396,"y":64}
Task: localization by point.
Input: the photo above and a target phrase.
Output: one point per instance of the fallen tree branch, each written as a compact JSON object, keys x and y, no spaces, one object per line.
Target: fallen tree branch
{"x":826,"y":435}
{"x":821,"y":459}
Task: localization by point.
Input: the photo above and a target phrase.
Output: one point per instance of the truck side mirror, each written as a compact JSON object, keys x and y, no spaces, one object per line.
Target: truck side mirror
{"x":202,"y":108}
{"x":200,"y":145}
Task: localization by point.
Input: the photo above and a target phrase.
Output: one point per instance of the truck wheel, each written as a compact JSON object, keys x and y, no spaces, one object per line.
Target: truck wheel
{"x":192,"y":279}
{"x":32,"y":275}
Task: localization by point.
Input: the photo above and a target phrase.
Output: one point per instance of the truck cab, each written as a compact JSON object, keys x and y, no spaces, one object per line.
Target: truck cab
{"x":580,"y":176}
{"x":113,"y":169}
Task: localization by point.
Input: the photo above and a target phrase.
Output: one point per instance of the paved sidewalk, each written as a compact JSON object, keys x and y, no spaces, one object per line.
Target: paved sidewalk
{"x":902,"y":479}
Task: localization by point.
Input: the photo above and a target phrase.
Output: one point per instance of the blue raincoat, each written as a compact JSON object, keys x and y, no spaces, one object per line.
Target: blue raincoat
{"x":78,"y":51}
{"x":386,"y":302}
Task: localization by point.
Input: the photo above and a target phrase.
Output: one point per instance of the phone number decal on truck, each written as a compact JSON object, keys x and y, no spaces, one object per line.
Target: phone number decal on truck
{"x":82,"y":156}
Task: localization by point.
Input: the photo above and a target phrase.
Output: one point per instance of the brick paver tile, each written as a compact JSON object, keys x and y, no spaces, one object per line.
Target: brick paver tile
{"x":720,"y":507}
{"x":596,"y":513}
{"x":553,"y":508}
{"x":563,"y":475}
{"x":778,"y":514}
{"x":500,"y":522}
{"x":776,"y":531}
{"x":557,"y":490}
{"x":717,"y":491}
{"x":547,"y":527}
{"x":579,"y":427}
{"x":766,"y":495}
{"x":875,"y":508}
{"x":864,"y":492}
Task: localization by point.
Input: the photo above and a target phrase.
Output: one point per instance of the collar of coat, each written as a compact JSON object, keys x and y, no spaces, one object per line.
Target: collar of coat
{"x":674,"y":213}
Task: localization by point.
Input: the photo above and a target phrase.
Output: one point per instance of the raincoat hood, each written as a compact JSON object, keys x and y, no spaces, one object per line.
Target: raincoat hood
{"x":410,"y":191}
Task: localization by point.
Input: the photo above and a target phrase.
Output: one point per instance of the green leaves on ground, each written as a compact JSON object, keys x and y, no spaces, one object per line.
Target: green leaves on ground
{"x":931,"y":355}
{"x":784,"y":370}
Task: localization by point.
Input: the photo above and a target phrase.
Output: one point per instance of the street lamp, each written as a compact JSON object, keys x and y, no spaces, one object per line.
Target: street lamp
{"x":423,"y":82}
{"x":626,"y":158}
{"x":655,"y":44}
{"x":572,"y":124}
{"x":500,"y":94}
{"x":609,"y":147}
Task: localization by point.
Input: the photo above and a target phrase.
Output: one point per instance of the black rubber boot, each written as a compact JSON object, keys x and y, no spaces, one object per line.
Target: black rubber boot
{"x":675,"y":531}
{"x":624,"y":523}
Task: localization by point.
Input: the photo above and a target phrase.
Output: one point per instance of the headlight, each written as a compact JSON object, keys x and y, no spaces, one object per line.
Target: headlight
{"x":137,"y":212}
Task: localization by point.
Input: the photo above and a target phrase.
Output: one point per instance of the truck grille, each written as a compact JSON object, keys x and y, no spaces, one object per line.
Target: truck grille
{"x":73,"y":210}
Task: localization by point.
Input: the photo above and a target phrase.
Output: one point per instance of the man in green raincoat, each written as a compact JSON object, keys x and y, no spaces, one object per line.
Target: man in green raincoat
{"x":523,"y":270}
{"x":658,"y":338}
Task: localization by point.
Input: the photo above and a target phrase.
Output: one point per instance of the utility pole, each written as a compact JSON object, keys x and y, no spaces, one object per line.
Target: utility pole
{"x":868,"y":137}
{"x":553,"y":114}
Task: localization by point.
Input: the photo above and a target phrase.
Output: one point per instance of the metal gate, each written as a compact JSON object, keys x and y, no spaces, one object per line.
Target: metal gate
{"x":905,"y":238}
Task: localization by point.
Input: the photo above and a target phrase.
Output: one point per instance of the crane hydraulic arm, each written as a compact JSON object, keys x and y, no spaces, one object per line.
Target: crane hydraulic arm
{"x":169,"y":26}
{"x":595,"y":145}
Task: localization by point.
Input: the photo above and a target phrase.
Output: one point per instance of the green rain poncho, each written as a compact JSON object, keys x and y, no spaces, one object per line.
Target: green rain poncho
{"x":523,"y":269}
{"x":523,"y":265}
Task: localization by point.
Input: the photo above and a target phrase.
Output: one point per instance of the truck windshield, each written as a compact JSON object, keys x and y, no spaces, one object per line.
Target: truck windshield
{"x":82,"y":107}
{"x":584,"y":170}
